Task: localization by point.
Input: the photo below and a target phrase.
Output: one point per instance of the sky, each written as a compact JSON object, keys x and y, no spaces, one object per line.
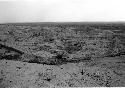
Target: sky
{"x":61,"y":10}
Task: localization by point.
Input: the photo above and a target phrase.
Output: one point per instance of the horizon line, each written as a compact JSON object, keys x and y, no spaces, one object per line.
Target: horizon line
{"x":65,"y":22}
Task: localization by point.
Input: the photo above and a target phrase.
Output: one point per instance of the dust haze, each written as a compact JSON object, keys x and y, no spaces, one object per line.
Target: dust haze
{"x":61,"y":10}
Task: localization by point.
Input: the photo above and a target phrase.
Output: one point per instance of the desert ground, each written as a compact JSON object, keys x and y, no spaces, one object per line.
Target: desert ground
{"x":54,"y":55}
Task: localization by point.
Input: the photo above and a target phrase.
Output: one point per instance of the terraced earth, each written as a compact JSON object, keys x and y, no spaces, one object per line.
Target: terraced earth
{"x":62,"y":55}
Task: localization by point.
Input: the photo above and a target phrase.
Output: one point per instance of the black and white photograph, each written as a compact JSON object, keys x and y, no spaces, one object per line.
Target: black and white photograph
{"x":62,"y":43}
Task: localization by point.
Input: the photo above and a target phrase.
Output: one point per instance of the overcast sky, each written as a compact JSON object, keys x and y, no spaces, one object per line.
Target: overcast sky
{"x":61,"y":10}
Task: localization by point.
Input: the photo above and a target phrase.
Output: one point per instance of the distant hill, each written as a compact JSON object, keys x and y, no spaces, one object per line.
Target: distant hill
{"x":100,"y":25}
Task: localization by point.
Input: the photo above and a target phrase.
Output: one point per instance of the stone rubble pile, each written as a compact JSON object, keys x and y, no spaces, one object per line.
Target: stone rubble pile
{"x":51,"y":42}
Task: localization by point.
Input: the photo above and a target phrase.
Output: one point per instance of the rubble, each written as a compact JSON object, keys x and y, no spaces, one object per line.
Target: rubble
{"x":60,"y":57}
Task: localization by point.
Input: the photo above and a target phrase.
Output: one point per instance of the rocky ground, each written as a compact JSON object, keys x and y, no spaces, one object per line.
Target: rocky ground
{"x":53,"y":56}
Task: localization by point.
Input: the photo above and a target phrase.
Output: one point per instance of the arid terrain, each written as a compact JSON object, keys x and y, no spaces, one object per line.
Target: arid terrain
{"x":48,"y":55}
